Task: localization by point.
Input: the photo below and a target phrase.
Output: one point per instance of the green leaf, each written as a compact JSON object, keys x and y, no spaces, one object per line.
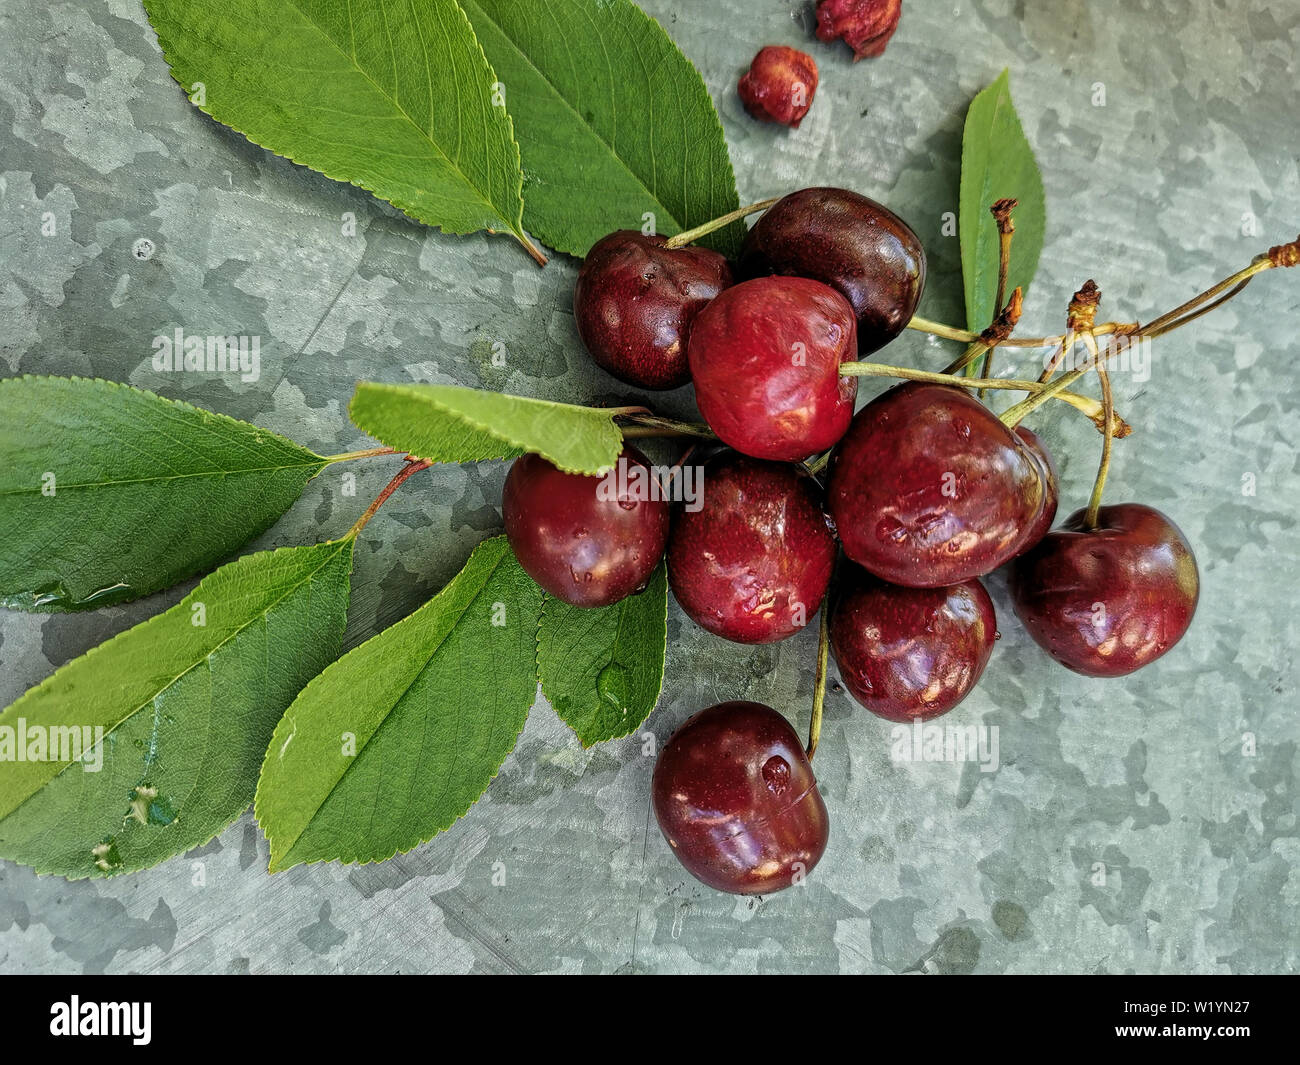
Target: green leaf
{"x":398,"y":738}
{"x":612,"y":120}
{"x":445,"y":423}
{"x":603,"y":668}
{"x":997,"y":163}
{"x":393,"y":95}
{"x":108,"y":493}
{"x":185,"y":710}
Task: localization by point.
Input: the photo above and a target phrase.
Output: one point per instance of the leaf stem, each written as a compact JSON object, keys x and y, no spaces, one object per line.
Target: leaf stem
{"x":347,"y":456}
{"x":412,"y":466}
{"x":647,"y":424}
{"x":816,"y":465}
{"x":538,"y":256}
{"x":819,"y":686}
{"x":721,"y":222}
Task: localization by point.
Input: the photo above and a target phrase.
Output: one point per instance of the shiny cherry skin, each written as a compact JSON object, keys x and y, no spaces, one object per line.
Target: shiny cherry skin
{"x":855,"y":245}
{"x":737,"y":801}
{"x":928,"y":488}
{"x":765,"y":356}
{"x":911,"y":654}
{"x":589,"y":541}
{"x":1038,"y":449}
{"x":779,"y":85}
{"x":1107,"y":601}
{"x":635,"y":301}
{"x":753,"y":562}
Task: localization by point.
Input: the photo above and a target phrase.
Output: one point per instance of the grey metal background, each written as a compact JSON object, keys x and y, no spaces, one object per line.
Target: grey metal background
{"x":934,"y":867}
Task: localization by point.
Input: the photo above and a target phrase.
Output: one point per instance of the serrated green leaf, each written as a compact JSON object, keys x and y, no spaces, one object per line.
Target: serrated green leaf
{"x":602,"y":669}
{"x":612,"y":120}
{"x":445,"y":423}
{"x":185,"y":710}
{"x":393,"y":95}
{"x":398,"y":738}
{"x":997,"y":162}
{"x":108,"y":493}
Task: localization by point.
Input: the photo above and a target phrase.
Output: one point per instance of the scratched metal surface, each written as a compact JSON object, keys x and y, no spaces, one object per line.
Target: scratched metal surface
{"x":931,"y":867}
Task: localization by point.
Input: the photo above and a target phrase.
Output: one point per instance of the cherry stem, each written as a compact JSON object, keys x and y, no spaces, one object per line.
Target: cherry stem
{"x":819,"y":686}
{"x":1108,"y":412}
{"x":1001,"y":212}
{"x":1013,"y":416}
{"x":967,"y":357}
{"x":1178,"y":313}
{"x":1036,"y":388}
{"x":413,"y":465}
{"x":691,"y":235}
{"x":1067,"y":344}
{"x":645,"y":424}
{"x":347,"y":456}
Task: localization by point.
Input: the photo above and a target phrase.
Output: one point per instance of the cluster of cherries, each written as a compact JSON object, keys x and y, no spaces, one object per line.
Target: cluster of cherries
{"x":926,"y":490}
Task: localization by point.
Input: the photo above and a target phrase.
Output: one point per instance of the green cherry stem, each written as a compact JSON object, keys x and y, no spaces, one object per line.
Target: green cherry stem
{"x":1108,"y":413}
{"x":1086,"y":404}
{"x":413,"y":465}
{"x":1001,"y":212}
{"x":691,"y":235}
{"x":819,"y":687}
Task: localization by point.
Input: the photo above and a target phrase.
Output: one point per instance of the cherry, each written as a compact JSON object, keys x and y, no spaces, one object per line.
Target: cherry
{"x":737,"y":801}
{"x":1038,"y":449}
{"x":635,"y":301}
{"x":779,"y":85}
{"x":864,"y":25}
{"x":911,"y":653}
{"x":1109,"y":600}
{"x":752,"y":564}
{"x":928,"y":488}
{"x":586,"y":540}
{"x":765,"y":356}
{"x":849,"y":242}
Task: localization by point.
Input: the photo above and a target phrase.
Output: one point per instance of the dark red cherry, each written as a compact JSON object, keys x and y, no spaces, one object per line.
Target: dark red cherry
{"x":753,"y":562}
{"x":779,"y":85}
{"x":737,"y":801}
{"x":765,"y":356}
{"x":911,"y":653}
{"x":1039,"y":450}
{"x":928,"y":488}
{"x":590,"y":541}
{"x":635,"y":302}
{"x":864,"y":250}
{"x":1107,"y":601}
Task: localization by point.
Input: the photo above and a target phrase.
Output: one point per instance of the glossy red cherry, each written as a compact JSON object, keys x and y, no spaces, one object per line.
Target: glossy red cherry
{"x":635,"y":301}
{"x":779,"y":85}
{"x":765,"y":356}
{"x":1107,"y":601}
{"x":1039,"y":450}
{"x":753,"y":563}
{"x":928,"y":488}
{"x":737,"y":801}
{"x":861,"y":249}
{"x":590,"y":541}
{"x":911,"y":653}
